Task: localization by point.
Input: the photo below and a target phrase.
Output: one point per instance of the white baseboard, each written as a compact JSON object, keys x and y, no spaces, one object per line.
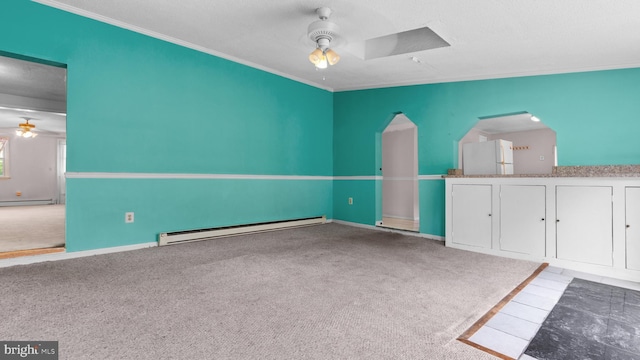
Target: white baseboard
{"x":27,"y":202}
{"x":26,"y":260}
{"x":370,"y":227}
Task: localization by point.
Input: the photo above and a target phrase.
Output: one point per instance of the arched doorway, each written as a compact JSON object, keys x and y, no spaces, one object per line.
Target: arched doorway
{"x":400,"y":200}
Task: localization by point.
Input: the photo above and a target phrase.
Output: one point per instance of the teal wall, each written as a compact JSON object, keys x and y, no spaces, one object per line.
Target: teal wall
{"x":595,"y":115}
{"x":142,"y":105}
{"x":164,"y":205}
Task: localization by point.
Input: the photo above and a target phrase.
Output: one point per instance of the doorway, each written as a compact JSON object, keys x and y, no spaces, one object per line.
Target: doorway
{"x":33,"y":106}
{"x":62,"y":169}
{"x":400,"y":200}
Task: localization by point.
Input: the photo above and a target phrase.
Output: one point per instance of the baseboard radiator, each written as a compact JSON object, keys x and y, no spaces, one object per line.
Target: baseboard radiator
{"x":26,"y":202}
{"x":178,"y":237}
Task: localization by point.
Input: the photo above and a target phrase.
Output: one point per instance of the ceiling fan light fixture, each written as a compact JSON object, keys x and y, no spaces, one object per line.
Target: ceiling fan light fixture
{"x":332,"y":57}
{"x":26,"y":134}
{"x":24,"y":129}
{"x":322,"y":32}
{"x":315,"y":56}
{"x":322,"y":64}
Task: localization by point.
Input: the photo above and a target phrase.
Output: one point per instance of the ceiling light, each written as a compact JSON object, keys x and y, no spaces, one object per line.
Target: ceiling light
{"x":322,"y":62}
{"x":25,"y":129}
{"x":322,"y":32}
{"x":26,"y":134}
{"x":316,"y":56}
{"x":533,"y":118}
{"x":332,"y":57}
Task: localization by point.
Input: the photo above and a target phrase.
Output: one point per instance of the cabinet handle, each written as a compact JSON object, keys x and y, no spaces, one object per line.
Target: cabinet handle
{"x":489,"y":214}
{"x":628,"y":226}
{"x":542,"y":219}
{"x":557,"y":220}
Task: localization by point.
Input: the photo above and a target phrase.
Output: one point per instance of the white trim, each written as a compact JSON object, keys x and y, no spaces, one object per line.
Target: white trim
{"x":431,"y":177}
{"x":107,"y":175}
{"x":372,"y":177}
{"x":186,"y":44}
{"x":26,"y":260}
{"x":488,"y":77}
{"x":100,"y":175}
{"x":399,"y":178}
{"x":378,"y":228}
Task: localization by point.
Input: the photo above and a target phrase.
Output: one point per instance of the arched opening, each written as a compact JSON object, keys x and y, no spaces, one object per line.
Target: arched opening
{"x":400,"y":200}
{"x":508,"y":144}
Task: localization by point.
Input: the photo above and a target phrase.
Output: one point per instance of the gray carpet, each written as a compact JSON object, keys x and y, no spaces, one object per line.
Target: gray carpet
{"x":31,"y":227}
{"x":321,"y":292}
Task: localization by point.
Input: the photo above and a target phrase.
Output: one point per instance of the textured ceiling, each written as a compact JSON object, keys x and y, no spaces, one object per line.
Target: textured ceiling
{"x":489,"y":38}
{"x":35,"y":91}
{"x":26,"y":78}
{"x":509,"y":123}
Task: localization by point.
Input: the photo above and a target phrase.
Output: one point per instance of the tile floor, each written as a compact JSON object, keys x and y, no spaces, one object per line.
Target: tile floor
{"x":590,"y":321}
{"x":511,"y":330}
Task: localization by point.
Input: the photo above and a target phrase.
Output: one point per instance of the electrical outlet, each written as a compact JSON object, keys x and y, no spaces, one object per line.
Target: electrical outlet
{"x":350,"y":201}
{"x":128,"y":217}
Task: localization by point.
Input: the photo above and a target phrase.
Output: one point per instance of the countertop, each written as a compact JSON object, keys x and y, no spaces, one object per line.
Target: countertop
{"x":566,"y":171}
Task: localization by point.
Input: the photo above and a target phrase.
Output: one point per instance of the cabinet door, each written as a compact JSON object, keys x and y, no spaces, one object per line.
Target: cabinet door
{"x":471,"y":218}
{"x":523,"y":219}
{"x":584,"y":224}
{"x":632,"y":215}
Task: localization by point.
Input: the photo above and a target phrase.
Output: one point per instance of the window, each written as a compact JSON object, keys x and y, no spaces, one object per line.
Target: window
{"x":3,"y":156}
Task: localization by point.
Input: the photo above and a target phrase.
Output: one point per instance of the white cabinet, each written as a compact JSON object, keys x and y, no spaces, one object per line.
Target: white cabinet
{"x":591,"y":224}
{"x":632,"y":220}
{"x":471,"y":215}
{"x":584,"y":224}
{"x":523,"y":219}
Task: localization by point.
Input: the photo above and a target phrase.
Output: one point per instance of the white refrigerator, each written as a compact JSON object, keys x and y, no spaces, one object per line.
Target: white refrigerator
{"x":487,"y":158}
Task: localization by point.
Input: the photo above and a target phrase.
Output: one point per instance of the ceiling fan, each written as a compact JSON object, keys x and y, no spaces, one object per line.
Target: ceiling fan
{"x":25,"y":129}
{"x":28,"y":130}
{"x":323,"y":32}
